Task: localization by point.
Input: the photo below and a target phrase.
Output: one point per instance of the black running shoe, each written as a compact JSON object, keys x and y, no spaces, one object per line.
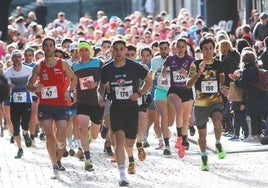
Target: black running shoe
{"x":192,"y":131}
{"x":61,"y":168}
{"x":12,"y":140}
{"x":66,"y":153}
{"x":42,"y":137}
{"x":28,"y":141}
{"x":19,"y":154}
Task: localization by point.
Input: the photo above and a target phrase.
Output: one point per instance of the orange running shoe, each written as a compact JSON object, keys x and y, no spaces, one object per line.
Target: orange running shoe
{"x":178,"y":142}
{"x":113,"y":158}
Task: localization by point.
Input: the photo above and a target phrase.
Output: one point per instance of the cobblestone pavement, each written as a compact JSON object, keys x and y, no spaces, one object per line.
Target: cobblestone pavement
{"x":241,"y":169}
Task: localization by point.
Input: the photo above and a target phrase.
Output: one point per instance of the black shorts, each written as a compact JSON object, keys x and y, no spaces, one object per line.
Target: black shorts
{"x":125,"y":117}
{"x":95,"y":112}
{"x":184,"y":94}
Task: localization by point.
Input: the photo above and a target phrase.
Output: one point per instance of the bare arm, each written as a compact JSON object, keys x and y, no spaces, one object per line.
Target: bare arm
{"x":31,"y":85}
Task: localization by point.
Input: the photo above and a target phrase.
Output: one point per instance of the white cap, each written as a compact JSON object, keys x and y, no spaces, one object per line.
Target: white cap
{"x":73,"y":46}
{"x":16,"y":52}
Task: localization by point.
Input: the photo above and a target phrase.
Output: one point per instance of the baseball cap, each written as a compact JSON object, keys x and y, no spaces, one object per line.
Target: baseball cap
{"x":73,"y":46}
{"x":16,"y":52}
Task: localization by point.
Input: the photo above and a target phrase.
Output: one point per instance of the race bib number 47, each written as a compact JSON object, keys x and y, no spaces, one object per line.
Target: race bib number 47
{"x":49,"y":92}
{"x":209,"y":86}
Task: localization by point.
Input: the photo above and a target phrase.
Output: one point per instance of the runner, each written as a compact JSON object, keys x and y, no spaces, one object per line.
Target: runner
{"x":54,"y":76}
{"x":179,"y":96}
{"x":208,"y":78}
{"x":122,"y":76}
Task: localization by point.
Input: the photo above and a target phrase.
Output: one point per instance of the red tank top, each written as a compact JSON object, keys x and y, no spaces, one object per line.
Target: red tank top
{"x":55,"y":84}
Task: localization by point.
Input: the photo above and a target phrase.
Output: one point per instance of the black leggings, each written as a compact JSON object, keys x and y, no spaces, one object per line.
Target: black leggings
{"x":20,"y":115}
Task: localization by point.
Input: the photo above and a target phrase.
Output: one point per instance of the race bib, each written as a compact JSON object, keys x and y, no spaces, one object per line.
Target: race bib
{"x":209,"y":86}
{"x":178,"y":77}
{"x":20,"y":97}
{"x":49,"y":92}
{"x":123,"y":92}
{"x":160,"y":80}
{"x":84,"y":80}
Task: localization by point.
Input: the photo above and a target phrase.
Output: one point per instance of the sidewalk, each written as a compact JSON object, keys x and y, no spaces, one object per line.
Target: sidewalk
{"x":229,"y":146}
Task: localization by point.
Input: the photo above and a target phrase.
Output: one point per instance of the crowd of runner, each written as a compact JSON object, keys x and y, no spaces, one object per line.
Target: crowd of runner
{"x":117,"y":77}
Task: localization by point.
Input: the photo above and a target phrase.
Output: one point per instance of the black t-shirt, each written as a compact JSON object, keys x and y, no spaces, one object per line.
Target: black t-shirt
{"x":123,"y":81}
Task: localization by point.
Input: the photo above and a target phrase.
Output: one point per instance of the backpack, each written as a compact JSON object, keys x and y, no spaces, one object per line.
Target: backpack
{"x":262,"y":83}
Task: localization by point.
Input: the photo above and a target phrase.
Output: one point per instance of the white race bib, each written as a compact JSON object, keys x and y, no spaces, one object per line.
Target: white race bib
{"x":209,"y":86}
{"x":123,"y":92}
{"x":178,"y":77}
{"x":160,"y":80}
{"x":20,"y":97}
{"x":84,"y":80}
{"x":49,"y":92}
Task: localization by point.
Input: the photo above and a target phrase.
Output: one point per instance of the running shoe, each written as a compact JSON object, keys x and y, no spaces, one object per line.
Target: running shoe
{"x":42,"y":137}
{"x":12,"y":140}
{"x":146,"y":144}
{"x":192,"y":131}
{"x":167,"y":151}
{"x":65,"y":154}
{"x":108,"y":149}
{"x":123,"y":183}
{"x":204,"y":163}
{"x":19,"y":154}
{"x":71,"y":152}
{"x":141,"y":153}
{"x":80,"y":154}
{"x":186,"y":145}
{"x":61,"y":168}
{"x":220,"y":151}
{"x":160,"y":145}
{"x":181,"y":151}
{"x":131,"y":168}
{"x":27,"y":139}
{"x":113,"y":158}
{"x":55,"y":174}
{"x":178,"y":142}
{"x":234,"y":137}
{"x":88,"y":166}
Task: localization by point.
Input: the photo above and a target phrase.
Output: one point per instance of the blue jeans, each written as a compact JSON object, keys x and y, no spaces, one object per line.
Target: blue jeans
{"x":240,"y":121}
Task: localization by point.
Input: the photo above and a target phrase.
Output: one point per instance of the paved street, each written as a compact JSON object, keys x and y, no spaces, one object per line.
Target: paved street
{"x":239,"y":169}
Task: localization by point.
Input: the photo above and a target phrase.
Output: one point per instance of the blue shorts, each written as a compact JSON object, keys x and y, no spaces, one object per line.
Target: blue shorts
{"x":53,"y":112}
{"x":160,"y":95}
{"x":7,"y":103}
{"x":152,"y":106}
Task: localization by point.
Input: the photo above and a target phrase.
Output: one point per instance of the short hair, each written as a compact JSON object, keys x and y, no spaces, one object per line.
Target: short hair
{"x":66,"y":40}
{"x":206,"y":40}
{"x":162,"y":42}
{"x":146,"y":49}
{"x":131,"y":47}
{"x":119,"y":41}
{"x":29,"y":49}
{"x":48,"y":38}
{"x":106,"y":41}
{"x":154,"y":44}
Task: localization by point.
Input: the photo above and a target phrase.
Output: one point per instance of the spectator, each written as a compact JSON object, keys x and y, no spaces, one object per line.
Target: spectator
{"x":41,"y":13}
{"x":260,"y":30}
